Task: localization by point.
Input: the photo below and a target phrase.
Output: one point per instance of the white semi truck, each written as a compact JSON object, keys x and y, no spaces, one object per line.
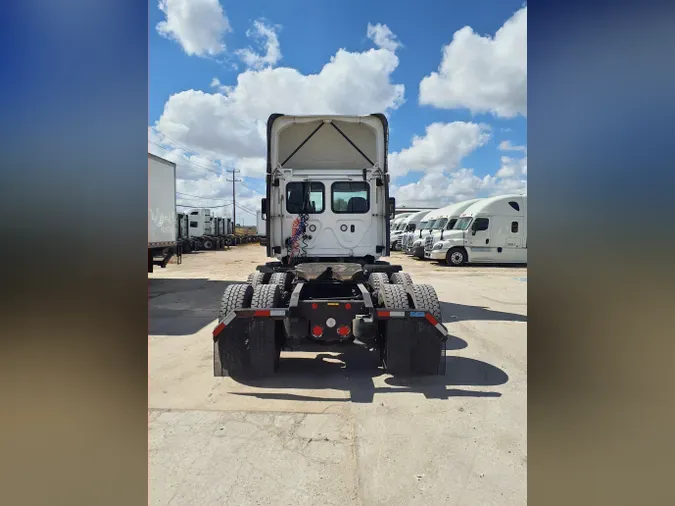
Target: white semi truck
{"x":327,"y":213}
{"x":492,"y":230}
{"x":161,"y":211}
{"x":409,"y":225}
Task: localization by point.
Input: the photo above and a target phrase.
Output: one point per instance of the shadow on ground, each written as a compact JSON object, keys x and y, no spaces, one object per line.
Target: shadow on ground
{"x":353,"y":370}
{"x":179,"y":307}
{"x":452,"y":312}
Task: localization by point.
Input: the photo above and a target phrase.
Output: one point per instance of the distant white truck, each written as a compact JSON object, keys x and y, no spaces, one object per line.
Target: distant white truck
{"x":492,"y":230}
{"x":409,"y":224}
{"x":414,"y":243}
{"x":446,"y":221}
{"x":161,"y":211}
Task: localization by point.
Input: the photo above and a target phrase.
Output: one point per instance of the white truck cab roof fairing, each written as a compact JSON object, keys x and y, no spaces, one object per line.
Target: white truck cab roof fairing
{"x":327,"y":187}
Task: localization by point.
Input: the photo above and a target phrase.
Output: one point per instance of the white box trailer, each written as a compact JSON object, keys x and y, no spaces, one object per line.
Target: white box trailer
{"x":161,"y":211}
{"x":261,"y":228}
{"x":493,"y":230}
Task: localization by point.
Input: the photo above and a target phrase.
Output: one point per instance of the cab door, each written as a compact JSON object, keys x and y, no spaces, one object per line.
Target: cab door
{"x":351,"y":209}
{"x":479,"y":236}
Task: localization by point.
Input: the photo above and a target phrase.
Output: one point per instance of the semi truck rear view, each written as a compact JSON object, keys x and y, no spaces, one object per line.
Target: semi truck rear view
{"x":327,"y":212}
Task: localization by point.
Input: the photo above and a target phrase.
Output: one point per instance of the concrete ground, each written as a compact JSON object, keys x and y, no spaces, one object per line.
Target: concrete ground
{"x":332,"y":428}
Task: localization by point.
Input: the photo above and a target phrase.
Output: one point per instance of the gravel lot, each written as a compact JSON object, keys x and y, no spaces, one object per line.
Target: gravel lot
{"x":332,"y":428}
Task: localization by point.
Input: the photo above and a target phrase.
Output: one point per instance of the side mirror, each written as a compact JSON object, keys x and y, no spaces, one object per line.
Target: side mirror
{"x":473,"y":231}
{"x":392,"y":207}
{"x":263,"y":209}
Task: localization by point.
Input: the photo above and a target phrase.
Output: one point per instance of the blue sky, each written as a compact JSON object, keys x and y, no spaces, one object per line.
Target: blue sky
{"x":308,"y":35}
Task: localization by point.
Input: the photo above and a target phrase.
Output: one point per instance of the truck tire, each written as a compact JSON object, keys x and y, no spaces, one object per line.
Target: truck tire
{"x":264,"y":345}
{"x":234,"y":296}
{"x":208,"y":244}
{"x":401,"y":278}
{"x":455,"y":257}
{"x":377,"y":280}
{"x":424,"y":298}
{"x":258,"y":278}
{"x":283,"y":280}
{"x":233,"y":352}
{"x":393,"y":296}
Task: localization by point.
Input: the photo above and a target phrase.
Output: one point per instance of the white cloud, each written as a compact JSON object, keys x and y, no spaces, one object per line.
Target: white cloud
{"x":507,"y":146}
{"x":512,"y":167}
{"x":383,"y":37}
{"x":482,"y":73}
{"x":267,"y":37}
{"x":437,"y":189}
{"x":197,"y":25}
{"x":228,"y":125}
{"x":442,"y":148}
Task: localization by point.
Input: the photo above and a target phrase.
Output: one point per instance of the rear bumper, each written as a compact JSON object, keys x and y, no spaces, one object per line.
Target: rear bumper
{"x":240,"y":322}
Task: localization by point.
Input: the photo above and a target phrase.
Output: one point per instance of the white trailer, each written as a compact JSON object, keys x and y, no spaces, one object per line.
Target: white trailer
{"x":161,"y":211}
{"x":260,"y":228}
{"x":493,"y":230}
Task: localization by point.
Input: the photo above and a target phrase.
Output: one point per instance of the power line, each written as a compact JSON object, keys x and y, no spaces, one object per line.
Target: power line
{"x":185,"y":148}
{"x":234,"y":196}
{"x":199,"y":196}
{"x":247,"y":210}
{"x":187,"y":159}
{"x":204,"y":207}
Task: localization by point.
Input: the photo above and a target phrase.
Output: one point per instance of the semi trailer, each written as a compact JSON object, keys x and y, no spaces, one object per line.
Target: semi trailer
{"x":327,"y":212}
{"x":161,"y":211}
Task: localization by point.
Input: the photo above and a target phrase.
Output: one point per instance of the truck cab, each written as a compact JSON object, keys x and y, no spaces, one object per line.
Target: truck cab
{"x":446,"y":222}
{"x":492,"y":230}
{"x":405,"y":233}
{"x":327,"y":176}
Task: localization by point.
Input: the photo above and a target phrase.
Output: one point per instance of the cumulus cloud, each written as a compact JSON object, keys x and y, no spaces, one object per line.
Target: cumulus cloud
{"x":266,"y":36}
{"x":199,"y":26}
{"x":383,"y":37}
{"x":482,"y":73}
{"x":438,"y":189}
{"x":228,"y":125}
{"x":440,"y":149}
{"x":507,"y":146}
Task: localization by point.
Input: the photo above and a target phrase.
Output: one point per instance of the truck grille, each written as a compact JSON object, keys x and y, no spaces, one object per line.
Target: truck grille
{"x":429,"y":243}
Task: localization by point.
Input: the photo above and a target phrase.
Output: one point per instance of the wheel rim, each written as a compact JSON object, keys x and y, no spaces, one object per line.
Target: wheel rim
{"x":456,"y":258}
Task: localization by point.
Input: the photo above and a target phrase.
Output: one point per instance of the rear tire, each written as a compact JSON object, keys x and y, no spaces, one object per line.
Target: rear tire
{"x":377,"y":280}
{"x":264,"y":342}
{"x":258,"y":278}
{"x":455,"y":257}
{"x":208,"y":244}
{"x":424,"y":298}
{"x":401,"y":278}
{"x":235,"y":296}
{"x":283,"y":280}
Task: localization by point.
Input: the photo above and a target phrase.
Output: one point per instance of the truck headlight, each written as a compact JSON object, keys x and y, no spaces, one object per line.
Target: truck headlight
{"x":438,"y":245}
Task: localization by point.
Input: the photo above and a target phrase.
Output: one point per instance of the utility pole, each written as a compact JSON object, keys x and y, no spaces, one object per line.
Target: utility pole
{"x":234,"y":198}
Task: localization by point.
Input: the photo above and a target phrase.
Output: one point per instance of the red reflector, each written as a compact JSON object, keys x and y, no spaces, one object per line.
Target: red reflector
{"x":343,"y":330}
{"x":348,"y":305}
{"x":317,"y":330}
{"x":383,"y":314}
{"x":431,"y":319}
{"x":315,"y":305}
{"x":218,"y":329}
{"x":262,"y":312}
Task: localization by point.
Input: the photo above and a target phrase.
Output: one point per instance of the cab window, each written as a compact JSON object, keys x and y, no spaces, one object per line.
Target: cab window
{"x":302,"y":197}
{"x":351,"y":197}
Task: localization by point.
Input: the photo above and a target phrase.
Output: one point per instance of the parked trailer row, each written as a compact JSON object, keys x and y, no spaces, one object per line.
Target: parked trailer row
{"x":489,"y":230}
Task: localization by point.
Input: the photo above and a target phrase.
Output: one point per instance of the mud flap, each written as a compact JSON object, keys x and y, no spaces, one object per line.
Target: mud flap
{"x":245,"y":347}
{"x":413,"y":347}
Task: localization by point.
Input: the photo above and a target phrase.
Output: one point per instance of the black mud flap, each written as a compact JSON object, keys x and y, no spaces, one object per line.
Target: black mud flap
{"x":244,"y":343}
{"x":414,"y":345}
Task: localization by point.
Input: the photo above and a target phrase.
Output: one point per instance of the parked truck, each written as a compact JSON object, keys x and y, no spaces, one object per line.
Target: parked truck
{"x":184,"y":243}
{"x":161,"y":211}
{"x":445,"y":221}
{"x":327,"y":211}
{"x":409,"y":225}
{"x":202,"y":230}
{"x":492,"y":230}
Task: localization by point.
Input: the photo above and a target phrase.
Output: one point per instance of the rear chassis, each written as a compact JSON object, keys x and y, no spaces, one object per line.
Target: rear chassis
{"x":334,"y":305}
